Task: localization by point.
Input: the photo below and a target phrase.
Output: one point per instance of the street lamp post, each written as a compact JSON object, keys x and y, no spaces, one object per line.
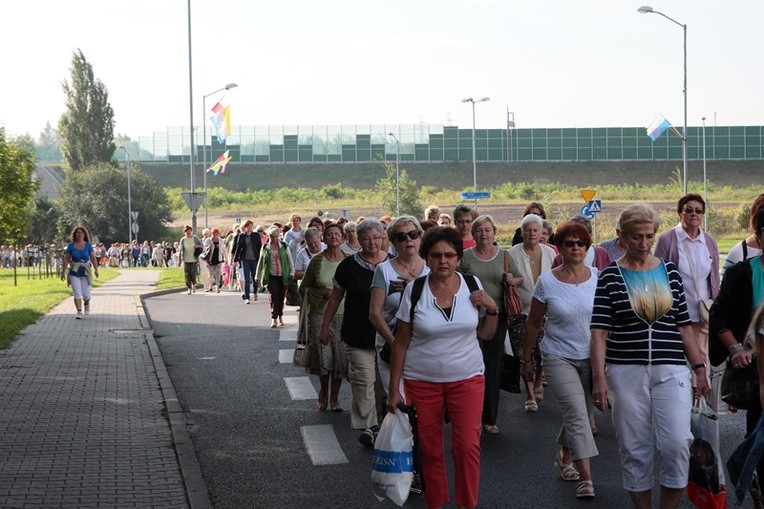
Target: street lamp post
{"x":705,"y":187}
{"x":397,"y":175}
{"x":646,"y":9}
{"x":204,"y":141}
{"x":474,"y":155}
{"x":192,"y":201}
{"x":129,"y":200}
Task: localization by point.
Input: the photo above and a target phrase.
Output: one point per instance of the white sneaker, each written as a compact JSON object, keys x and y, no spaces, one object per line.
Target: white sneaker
{"x":246,"y":301}
{"x":78,"y":316}
{"x":87,"y":309}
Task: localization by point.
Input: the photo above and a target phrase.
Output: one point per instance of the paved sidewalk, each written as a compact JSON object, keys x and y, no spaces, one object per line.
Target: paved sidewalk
{"x":87,"y":407}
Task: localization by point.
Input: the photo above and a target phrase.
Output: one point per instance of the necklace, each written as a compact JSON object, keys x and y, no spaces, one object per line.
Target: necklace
{"x":413,"y":270}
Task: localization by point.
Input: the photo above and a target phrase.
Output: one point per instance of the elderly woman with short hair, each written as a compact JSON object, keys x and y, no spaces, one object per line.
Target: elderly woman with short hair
{"x":351,"y":244}
{"x":565,"y":296}
{"x":313,"y":246}
{"x":274,"y":270}
{"x":352,"y":279}
{"x":527,"y":261}
{"x":464,"y":215}
{"x":641,"y":343}
{"x":390,"y":279}
{"x":486,"y":261}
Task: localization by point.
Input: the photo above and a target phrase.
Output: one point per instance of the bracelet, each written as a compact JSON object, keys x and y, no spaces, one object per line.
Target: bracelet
{"x":735,"y":348}
{"x":698,"y":366}
{"x":495,"y":313}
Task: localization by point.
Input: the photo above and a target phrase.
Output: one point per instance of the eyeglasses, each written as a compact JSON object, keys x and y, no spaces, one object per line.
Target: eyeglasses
{"x":333,"y":234}
{"x":366,"y":238}
{"x":571,"y":243}
{"x":402,"y":236}
{"x":699,"y":212}
{"x":437,"y":256}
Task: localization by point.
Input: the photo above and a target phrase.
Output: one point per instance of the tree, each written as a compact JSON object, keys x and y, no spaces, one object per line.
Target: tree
{"x":49,"y":145}
{"x":17,"y":188}
{"x":87,"y":126}
{"x":97,"y":198}
{"x":409,"y":191}
{"x":43,"y":222}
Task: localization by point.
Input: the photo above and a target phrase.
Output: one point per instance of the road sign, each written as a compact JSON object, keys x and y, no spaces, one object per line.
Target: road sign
{"x":586,"y":212}
{"x":193,"y":200}
{"x":482,"y":195}
{"x":134,"y":227}
{"x":595,"y":206}
{"x":135,"y":215}
{"x":588,"y":194}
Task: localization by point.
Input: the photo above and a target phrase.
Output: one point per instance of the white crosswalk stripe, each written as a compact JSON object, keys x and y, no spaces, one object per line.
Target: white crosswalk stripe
{"x":322,"y":445}
{"x":300,"y":388}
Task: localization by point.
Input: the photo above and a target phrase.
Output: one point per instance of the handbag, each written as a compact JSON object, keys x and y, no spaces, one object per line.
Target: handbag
{"x":301,"y":356}
{"x":197,"y":252}
{"x":292,"y":294}
{"x":740,"y":386}
{"x":704,"y":308}
{"x":513,"y":304}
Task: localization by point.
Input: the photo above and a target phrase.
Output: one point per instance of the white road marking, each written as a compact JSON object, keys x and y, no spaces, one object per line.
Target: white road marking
{"x":300,"y":388}
{"x":288,"y":335}
{"x":206,"y":358}
{"x":322,"y":445}
{"x":290,"y":319}
{"x":285,"y":356}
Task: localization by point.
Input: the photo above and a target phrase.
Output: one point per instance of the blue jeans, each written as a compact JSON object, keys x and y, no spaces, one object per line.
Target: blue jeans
{"x":249,"y":266}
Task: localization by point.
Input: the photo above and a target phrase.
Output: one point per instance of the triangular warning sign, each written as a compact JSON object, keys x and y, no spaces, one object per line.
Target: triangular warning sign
{"x":588,"y":194}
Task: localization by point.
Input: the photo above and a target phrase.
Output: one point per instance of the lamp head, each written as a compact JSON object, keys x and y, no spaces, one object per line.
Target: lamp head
{"x":484,"y":99}
{"x":645,"y":9}
{"x":467,"y":100}
{"x":230,"y":86}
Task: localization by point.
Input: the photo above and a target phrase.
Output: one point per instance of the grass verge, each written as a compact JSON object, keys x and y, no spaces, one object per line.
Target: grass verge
{"x":32,"y":296}
{"x":172,"y":277}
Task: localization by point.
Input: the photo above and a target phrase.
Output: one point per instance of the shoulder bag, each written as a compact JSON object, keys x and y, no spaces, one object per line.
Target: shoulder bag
{"x":740,"y":387}
{"x":513,"y":304}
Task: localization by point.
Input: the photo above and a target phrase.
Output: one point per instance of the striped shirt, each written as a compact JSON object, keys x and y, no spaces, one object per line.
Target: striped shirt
{"x":633,"y":340}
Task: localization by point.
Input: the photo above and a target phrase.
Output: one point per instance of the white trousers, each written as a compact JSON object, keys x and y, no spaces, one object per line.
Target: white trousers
{"x":80,"y":287}
{"x":651,"y":401}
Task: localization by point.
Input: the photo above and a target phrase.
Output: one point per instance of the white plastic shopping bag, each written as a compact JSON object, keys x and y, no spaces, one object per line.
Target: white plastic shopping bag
{"x":392,"y":463}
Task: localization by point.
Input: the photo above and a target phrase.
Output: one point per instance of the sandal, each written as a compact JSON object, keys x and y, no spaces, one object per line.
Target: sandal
{"x":585,"y":490}
{"x":567,"y":471}
{"x":336,"y":407}
{"x":539,"y":393}
{"x":321,"y":401}
{"x":531,"y":406}
{"x":491,"y":429}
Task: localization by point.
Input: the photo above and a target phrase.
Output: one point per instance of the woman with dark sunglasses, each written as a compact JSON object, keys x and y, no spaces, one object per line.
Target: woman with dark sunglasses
{"x":565,"y":295}
{"x":486,"y":260}
{"x":696,"y":255}
{"x":390,"y":279}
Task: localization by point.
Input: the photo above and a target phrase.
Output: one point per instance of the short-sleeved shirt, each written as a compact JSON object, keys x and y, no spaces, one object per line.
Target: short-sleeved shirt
{"x":79,"y":256}
{"x":490,"y":272}
{"x":632,"y":339}
{"x":444,"y":346}
{"x":383,"y":278}
{"x":569,"y":314}
{"x":354,"y":276}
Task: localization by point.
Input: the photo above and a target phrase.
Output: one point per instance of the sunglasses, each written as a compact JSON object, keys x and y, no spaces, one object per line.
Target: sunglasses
{"x":437,"y":256}
{"x":699,"y":212}
{"x":402,"y":236}
{"x":571,"y":243}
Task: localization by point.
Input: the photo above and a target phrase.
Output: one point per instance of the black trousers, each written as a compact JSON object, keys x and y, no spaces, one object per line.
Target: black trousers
{"x":492,"y":351}
{"x":277,"y":291}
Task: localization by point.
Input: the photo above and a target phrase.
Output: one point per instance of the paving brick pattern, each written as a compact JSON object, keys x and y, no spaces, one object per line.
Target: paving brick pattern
{"x":82,"y":416}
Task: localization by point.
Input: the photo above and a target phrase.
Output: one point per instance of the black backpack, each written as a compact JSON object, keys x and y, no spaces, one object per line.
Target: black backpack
{"x":416,"y":291}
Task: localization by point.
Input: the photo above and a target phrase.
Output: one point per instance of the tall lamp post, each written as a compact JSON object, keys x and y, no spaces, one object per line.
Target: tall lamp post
{"x":204,"y":141}
{"x":129,"y":202}
{"x":646,"y":9}
{"x":192,"y":200}
{"x":474,"y":155}
{"x":397,"y":175}
{"x":705,"y":187}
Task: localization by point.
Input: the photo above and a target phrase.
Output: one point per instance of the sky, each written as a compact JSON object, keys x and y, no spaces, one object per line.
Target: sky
{"x":552,"y":63}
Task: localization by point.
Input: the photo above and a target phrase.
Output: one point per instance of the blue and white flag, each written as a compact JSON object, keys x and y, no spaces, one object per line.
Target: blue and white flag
{"x":657,"y":127}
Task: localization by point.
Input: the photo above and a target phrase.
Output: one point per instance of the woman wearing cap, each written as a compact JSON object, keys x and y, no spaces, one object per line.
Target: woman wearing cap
{"x":274,"y":271}
{"x":186,"y":247}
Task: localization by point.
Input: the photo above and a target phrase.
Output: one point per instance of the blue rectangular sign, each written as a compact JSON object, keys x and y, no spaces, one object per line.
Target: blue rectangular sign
{"x":482,"y":195}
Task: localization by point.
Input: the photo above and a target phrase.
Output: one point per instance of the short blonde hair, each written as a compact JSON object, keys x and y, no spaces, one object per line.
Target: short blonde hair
{"x":638,"y":214}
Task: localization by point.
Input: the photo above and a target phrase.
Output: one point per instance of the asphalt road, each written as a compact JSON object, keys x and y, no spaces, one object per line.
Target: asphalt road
{"x":249,"y":431}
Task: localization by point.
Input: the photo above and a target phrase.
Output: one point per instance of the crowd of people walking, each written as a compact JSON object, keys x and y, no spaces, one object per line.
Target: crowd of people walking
{"x":416,"y":311}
